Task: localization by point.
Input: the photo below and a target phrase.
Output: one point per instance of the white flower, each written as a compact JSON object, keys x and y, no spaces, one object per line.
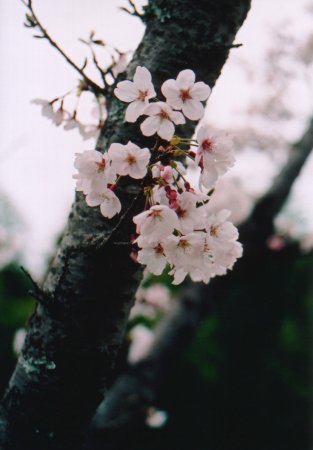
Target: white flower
{"x":186,"y":254}
{"x":183,"y":93}
{"x":187,"y":212}
{"x":221,"y":230}
{"x":94,"y":171}
{"x":159,"y":195}
{"x":152,"y":255}
{"x":161,"y":120}
{"x":129,"y":159}
{"x":108,"y":201}
{"x":137,"y":93}
{"x":225,"y":258}
{"x":215,"y":156}
{"x":158,"y":296}
{"x":141,"y":341}
{"x":156,"y":418}
{"x":222,"y":238}
{"x":121,"y":64}
{"x":88,"y":131}
{"x":157,"y":222}
{"x":47,"y":110}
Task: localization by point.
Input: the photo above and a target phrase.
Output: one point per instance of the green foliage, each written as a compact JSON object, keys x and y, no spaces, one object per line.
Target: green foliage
{"x":15,"y":307}
{"x":205,"y":353}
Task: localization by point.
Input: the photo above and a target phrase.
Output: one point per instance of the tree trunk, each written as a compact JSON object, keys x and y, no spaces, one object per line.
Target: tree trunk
{"x":77,"y":328}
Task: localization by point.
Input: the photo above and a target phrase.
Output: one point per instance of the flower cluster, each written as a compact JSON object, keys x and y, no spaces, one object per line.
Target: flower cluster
{"x":69,"y":110}
{"x":175,"y":228}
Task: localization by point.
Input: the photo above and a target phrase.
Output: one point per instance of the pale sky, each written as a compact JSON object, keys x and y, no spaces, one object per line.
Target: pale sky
{"x":36,"y":158}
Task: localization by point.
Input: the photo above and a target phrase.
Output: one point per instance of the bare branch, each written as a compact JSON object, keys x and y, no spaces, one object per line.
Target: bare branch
{"x":134,"y":11}
{"x":94,"y":87}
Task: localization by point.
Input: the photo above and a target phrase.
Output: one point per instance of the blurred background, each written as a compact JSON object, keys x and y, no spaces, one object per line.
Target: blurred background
{"x":264,"y":101}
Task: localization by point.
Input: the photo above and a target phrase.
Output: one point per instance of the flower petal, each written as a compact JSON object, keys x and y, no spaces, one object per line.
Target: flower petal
{"x":169,"y":89}
{"x":116,"y":151}
{"x":185,"y":79}
{"x":142,"y":77}
{"x":110,"y":206}
{"x":94,"y":199}
{"x":193,"y":109}
{"x":200,"y":91}
{"x":126,"y":91}
{"x":134,"y":110}
{"x":166,"y":129}
{"x":177,"y":118}
{"x":150,"y":125}
{"x":153,"y":109}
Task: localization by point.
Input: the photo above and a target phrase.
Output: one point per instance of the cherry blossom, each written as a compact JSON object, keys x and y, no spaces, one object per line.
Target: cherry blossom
{"x":94,"y":171}
{"x":57,"y":116}
{"x":220,"y":230}
{"x":177,"y":228}
{"x":161,"y":121}
{"x":157,"y":222}
{"x":185,"y":254}
{"x":225,"y":257}
{"x":141,"y":341}
{"x":183,"y":93}
{"x":158,"y":296}
{"x":108,"y":201}
{"x":137,"y":93}
{"x":215,"y":156}
{"x":129,"y":159}
{"x":152,"y":255}
{"x":156,"y":418}
{"x":187,"y":212}
{"x":121,"y":64}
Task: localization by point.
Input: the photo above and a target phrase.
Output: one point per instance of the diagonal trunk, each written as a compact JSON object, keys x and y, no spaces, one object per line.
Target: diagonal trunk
{"x":78,"y":325}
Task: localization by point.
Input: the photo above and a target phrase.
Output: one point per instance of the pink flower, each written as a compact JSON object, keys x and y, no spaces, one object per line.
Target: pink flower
{"x":161,"y":120}
{"x":157,"y":222}
{"x":108,"y":201}
{"x":187,"y":211}
{"x":57,"y":116}
{"x":183,"y":93}
{"x":129,"y":159}
{"x":214,"y":155}
{"x":121,"y":64}
{"x":220,"y":229}
{"x":94,"y":171}
{"x":137,"y":93}
{"x":152,"y":255}
{"x":186,"y":255}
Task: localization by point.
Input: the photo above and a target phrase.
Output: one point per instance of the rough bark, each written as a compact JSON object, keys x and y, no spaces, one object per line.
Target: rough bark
{"x":77,"y":327}
{"x":139,"y":387}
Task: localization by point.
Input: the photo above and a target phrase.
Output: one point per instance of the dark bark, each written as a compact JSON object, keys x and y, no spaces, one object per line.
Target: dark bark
{"x":139,"y":387}
{"x":76,"y":331}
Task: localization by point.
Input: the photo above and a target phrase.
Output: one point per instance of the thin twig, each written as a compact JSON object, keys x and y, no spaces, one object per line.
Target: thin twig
{"x":134,"y":11}
{"x":37,"y":292}
{"x":96,"y":63}
{"x":93,"y":86}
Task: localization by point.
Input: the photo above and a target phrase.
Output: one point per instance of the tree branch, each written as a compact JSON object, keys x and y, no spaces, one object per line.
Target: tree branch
{"x":94,"y":87}
{"x":70,"y":351}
